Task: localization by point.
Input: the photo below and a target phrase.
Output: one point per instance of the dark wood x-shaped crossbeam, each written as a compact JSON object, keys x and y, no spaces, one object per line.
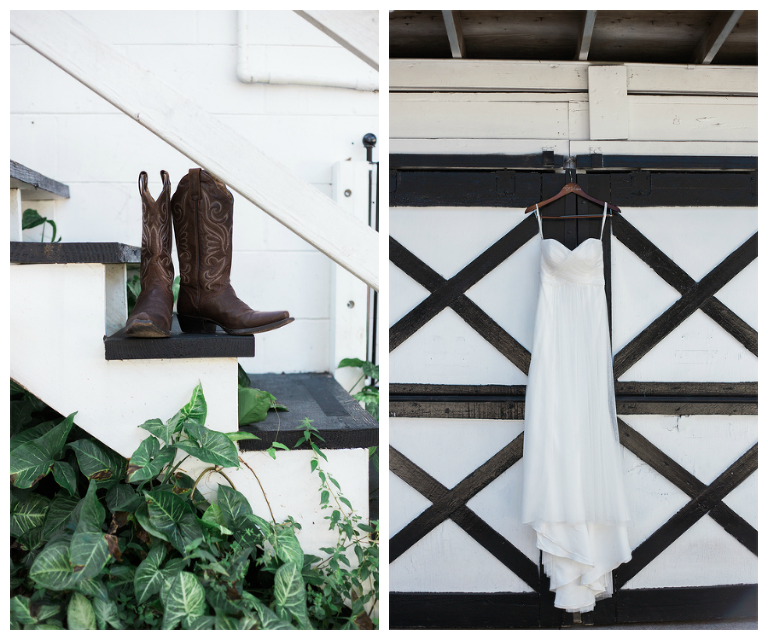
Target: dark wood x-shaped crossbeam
{"x":695,"y":295}
{"x":450,"y":293}
{"x":452,"y":503}
{"x":705,"y":499}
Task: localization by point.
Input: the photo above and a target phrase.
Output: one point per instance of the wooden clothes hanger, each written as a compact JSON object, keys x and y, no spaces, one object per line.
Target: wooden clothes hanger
{"x":574,"y":188}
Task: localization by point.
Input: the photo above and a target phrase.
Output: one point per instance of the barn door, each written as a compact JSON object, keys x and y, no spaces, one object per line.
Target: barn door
{"x":681,"y":285}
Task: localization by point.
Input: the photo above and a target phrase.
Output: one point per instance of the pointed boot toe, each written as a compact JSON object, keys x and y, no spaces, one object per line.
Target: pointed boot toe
{"x":268,"y":327}
{"x":261,"y":321}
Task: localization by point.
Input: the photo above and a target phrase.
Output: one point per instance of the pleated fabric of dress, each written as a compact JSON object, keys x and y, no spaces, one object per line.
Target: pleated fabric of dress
{"x":573,"y":490}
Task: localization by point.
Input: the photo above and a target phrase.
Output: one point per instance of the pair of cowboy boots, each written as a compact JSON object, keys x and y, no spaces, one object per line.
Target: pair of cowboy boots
{"x":201,"y":210}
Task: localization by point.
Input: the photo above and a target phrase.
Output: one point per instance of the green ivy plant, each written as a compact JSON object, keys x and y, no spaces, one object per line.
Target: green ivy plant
{"x":369,"y":395}
{"x":98,"y":541}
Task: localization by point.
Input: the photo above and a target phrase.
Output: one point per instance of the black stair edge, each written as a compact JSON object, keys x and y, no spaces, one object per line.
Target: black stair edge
{"x":179,"y":345}
{"x":35,"y":185}
{"x":340,"y":420}
{"x":337,"y":416}
{"x":74,"y":253}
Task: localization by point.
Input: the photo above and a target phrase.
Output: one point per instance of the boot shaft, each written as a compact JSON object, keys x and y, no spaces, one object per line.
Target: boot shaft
{"x":151,"y":315}
{"x":202,"y":209}
{"x":156,"y":237}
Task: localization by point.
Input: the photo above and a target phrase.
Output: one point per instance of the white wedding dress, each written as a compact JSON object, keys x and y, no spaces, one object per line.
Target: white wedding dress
{"x":573,"y":493}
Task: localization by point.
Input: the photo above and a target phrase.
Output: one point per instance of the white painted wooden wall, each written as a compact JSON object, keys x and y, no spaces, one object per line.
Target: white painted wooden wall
{"x":546,"y":114}
{"x":63,"y":130}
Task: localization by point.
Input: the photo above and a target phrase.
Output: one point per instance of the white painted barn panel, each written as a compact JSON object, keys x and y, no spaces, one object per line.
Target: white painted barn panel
{"x":705,"y":446}
{"x":608,"y":102}
{"x":446,"y":353}
{"x":692,"y":118}
{"x":469,"y":146}
{"x":477,"y":116}
{"x":697,"y":239}
{"x":431,"y":444}
{"x":448,"y":560}
{"x":530,"y":75}
{"x":553,"y":116}
{"x":439,"y":236}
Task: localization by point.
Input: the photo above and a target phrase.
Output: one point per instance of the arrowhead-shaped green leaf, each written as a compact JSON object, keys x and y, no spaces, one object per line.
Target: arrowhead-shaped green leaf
{"x":89,"y":552}
{"x":123,"y":497}
{"x":107,"y":613}
{"x":98,"y":463}
{"x":233,"y":505}
{"x":148,"y":578}
{"x":80,"y":613}
{"x":28,"y":513}
{"x":33,"y":459}
{"x":158,"y":429}
{"x":185,"y":599}
{"x":58,"y":515}
{"x":209,"y":446}
{"x":290,"y":594}
{"x":253,"y":405}
{"x":288,"y":548}
{"x":172,"y":516}
{"x":52,"y":569}
{"x":149,"y":460}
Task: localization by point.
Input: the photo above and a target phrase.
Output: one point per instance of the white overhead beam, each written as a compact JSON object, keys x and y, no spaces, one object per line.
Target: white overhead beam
{"x":204,"y":139}
{"x":585,"y":36}
{"x":455,"y":37}
{"x":718,"y":31}
{"x":525,"y":76}
{"x":357,"y":31}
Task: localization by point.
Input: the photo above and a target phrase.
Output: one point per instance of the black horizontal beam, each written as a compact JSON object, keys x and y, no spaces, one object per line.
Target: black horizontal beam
{"x":622,"y":398}
{"x":544,"y":160}
{"x":35,"y":185}
{"x":74,"y":253}
{"x":549,"y":160}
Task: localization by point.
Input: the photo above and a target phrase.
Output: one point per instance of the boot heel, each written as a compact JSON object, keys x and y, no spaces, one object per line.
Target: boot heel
{"x":191,"y":324}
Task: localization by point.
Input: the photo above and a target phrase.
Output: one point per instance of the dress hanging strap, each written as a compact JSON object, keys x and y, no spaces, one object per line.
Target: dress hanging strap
{"x":538,"y":217}
{"x":602,"y":226}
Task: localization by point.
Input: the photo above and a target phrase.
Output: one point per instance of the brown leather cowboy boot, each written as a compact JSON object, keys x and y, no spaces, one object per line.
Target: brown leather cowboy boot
{"x":202,"y":220}
{"x":151,"y":317}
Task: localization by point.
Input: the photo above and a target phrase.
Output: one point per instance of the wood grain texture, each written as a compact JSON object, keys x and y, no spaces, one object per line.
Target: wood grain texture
{"x":35,"y":186}
{"x":356,"y":31}
{"x":74,"y":252}
{"x":475,"y":161}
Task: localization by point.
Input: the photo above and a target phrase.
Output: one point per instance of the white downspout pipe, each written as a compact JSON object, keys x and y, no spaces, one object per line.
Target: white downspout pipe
{"x":248,"y":73}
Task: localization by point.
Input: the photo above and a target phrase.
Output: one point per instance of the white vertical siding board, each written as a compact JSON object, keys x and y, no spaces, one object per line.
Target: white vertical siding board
{"x":739,"y":294}
{"x":405,"y":294}
{"x":15,"y":212}
{"x":405,"y":504}
{"x":608,"y":103}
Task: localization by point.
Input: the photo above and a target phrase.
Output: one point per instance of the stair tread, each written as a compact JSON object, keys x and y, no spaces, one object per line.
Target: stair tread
{"x":36,"y":186}
{"x":74,"y":253}
{"x":118,"y":346}
{"x":337,"y":416}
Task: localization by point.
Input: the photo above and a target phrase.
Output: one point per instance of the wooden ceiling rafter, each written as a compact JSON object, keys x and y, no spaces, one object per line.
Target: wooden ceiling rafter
{"x":720,"y":29}
{"x":585,"y":35}
{"x":452,"y":21}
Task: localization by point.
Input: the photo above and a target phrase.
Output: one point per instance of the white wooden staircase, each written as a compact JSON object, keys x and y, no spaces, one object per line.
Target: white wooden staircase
{"x":68,"y":305}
